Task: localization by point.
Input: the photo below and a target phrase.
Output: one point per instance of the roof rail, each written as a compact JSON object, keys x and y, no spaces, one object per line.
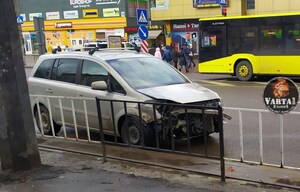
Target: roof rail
{"x":92,"y":51}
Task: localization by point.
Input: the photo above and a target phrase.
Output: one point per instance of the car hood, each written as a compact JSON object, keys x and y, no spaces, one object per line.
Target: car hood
{"x":180,"y":93}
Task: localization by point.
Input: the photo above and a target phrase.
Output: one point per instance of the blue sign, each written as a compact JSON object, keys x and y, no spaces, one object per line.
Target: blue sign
{"x":142,"y":17}
{"x":143,"y":32}
{"x":20,"y":20}
{"x":209,"y":3}
{"x":223,"y":2}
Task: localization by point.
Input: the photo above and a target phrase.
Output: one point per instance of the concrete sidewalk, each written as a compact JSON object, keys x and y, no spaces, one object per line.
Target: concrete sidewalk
{"x":66,"y":172}
{"x":146,"y":171}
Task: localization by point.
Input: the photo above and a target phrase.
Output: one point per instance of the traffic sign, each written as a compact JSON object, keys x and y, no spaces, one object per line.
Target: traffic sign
{"x":143,"y":32}
{"x":142,"y":17}
{"x":20,"y":20}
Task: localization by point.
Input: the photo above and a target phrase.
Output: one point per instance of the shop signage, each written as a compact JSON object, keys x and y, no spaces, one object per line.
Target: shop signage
{"x":186,"y":26}
{"x":52,"y":15}
{"x":71,"y":14}
{"x":90,"y":13}
{"x":131,"y":30}
{"x":107,"y":2}
{"x":63,"y":25}
{"x":24,"y":16}
{"x":80,"y":3}
{"x":114,"y":41}
{"x":111,"y":12}
{"x":281,"y":95}
{"x":209,"y":3}
{"x":32,"y":15}
{"x":160,"y":3}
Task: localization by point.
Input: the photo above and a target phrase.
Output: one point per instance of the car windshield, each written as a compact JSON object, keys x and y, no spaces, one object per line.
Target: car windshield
{"x":147,"y":72}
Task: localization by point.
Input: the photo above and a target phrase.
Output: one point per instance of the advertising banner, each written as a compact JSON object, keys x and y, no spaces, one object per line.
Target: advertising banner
{"x":209,"y":3}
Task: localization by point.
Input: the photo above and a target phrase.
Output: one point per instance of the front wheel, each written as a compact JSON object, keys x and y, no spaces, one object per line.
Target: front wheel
{"x":136,"y":132}
{"x":244,"y":71}
{"x":46,"y":122}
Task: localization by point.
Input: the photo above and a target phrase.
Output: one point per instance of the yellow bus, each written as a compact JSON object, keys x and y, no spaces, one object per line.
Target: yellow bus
{"x":248,"y":46}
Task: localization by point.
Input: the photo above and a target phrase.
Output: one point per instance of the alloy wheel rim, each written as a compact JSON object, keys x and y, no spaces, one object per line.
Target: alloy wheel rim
{"x":243,"y":71}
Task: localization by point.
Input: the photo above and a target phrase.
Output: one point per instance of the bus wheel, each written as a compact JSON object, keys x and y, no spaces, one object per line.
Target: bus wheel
{"x":244,"y":71}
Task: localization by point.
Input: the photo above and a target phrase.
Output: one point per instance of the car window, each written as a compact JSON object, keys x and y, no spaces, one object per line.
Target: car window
{"x":147,"y":72}
{"x":44,"y":69}
{"x":115,"y":86}
{"x":92,"y":71}
{"x":65,"y":70}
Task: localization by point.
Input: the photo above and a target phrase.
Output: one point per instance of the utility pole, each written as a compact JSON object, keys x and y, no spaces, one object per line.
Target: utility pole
{"x":18,"y":144}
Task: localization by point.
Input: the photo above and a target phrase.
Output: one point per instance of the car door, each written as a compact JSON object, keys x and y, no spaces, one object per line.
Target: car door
{"x":63,"y":85}
{"x":92,"y":71}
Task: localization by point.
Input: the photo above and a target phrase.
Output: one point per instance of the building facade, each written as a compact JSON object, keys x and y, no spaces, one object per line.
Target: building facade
{"x":74,"y":22}
{"x":182,"y":16}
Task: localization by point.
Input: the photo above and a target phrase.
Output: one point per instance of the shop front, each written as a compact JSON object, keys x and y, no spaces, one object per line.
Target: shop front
{"x":185,"y":31}
{"x":72,"y":33}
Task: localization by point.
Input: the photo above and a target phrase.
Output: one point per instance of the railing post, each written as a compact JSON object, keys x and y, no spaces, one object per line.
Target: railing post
{"x":101,"y":129}
{"x":261,"y":140}
{"x":221,"y":135}
{"x":241,"y":136}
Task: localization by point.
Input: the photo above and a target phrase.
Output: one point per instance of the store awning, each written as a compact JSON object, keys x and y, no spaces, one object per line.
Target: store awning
{"x":153,"y":34}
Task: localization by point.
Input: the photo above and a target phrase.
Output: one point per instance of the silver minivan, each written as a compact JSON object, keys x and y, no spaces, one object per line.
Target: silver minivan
{"x":123,"y":75}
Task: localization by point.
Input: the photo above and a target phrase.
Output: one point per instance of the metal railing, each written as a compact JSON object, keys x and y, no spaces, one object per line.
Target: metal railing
{"x":66,"y":112}
{"x":243,"y":127}
{"x":168,"y":126}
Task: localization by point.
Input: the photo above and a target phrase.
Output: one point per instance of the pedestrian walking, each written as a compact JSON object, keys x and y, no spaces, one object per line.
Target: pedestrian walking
{"x":186,"y":53}
{"x":167,"y":56}
{"x":175,"y":56}
{"x":182,"y":60}
{"x":191,"y":58}
{"x":157,"y":53}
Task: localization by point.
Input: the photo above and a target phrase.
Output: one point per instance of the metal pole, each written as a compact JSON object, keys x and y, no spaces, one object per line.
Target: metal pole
{"x":281,"y":141}
{"x":241,"y":135}
{"x":101,"y":130}
{"x":221,"y":135}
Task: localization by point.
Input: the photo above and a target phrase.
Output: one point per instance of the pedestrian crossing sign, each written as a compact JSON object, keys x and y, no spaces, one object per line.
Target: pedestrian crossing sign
{"x":142,"y":17}
{"x":20,"y":20}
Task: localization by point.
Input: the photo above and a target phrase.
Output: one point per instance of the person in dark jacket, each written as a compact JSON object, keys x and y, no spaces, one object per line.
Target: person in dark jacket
{"x":167,"y":56}
{"x":175,"y":56}
{"x":182,"y":60}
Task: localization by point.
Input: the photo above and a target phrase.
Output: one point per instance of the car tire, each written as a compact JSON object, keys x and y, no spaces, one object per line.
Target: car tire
{"x":244,"y":71}
{"x":46,"y":122}
{"x":136,"y":130}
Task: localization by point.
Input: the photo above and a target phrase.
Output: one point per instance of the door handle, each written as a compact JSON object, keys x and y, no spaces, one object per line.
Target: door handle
{"x":49,"y":91}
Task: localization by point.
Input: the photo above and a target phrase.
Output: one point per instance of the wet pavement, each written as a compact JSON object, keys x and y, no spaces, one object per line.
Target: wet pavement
{"x":145,"y":171}
{"x":64,"y":171}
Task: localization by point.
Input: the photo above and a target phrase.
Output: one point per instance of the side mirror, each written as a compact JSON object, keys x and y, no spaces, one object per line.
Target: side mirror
{"x":99,"y":85}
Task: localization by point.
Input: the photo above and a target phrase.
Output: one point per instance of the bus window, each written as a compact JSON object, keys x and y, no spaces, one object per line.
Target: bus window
{"x":213,"y":43}
{"x":271,"y":36}
{"x":292,"y":35}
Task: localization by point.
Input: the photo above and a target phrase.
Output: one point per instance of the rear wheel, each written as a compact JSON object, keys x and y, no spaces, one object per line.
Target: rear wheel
{"x":46,"y":121}
{"x":244,"y":71}
{"x":136,"y":132}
